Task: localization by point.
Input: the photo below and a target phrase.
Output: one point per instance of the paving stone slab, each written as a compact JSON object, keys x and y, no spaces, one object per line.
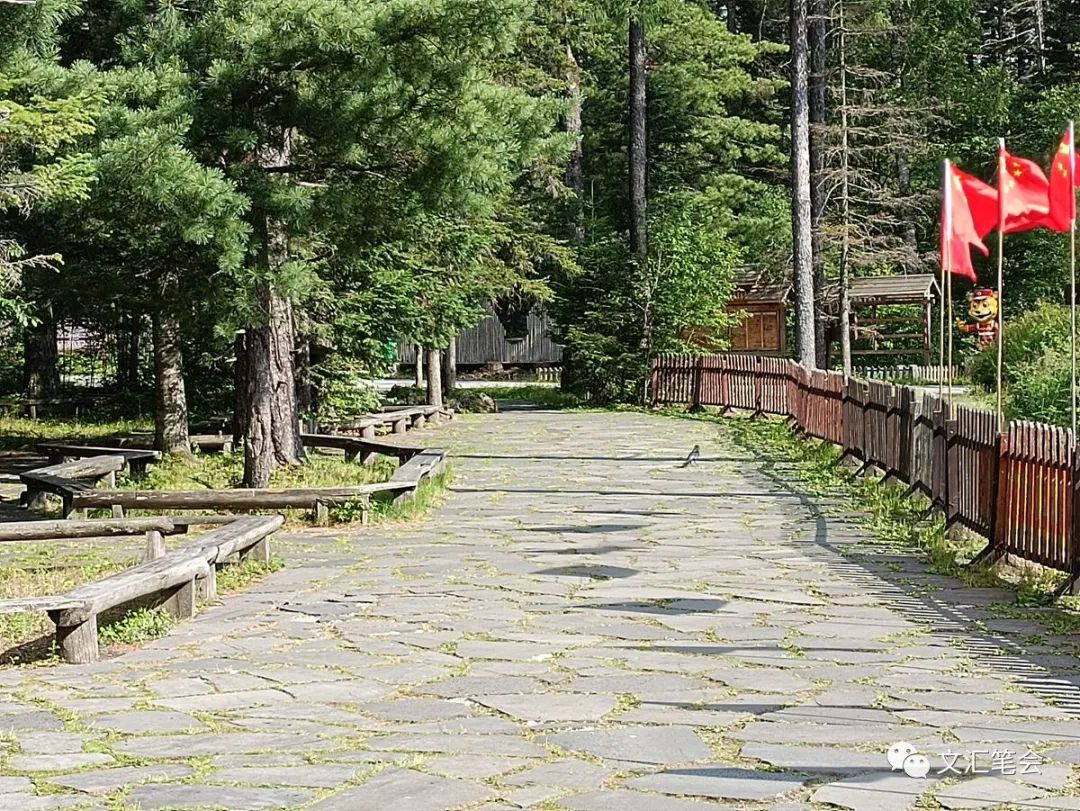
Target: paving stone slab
{"x":986,"y":792}
{"x":181,"y":797}
{"x":407,"y":789}
{"x":874,"y":792}
{"x":624,"y":800}
{"x":142,"y":722}
{"x":719,"y":781}
{"x":640,"y":744}
{"x":321,"y":775}
{"x":58,"y":762}
{"x":103,"y":781}
{"x":551,"y":706}
{"x":815,"y":759}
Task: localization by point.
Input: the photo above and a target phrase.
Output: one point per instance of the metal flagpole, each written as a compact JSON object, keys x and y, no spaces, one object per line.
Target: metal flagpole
{"x":945,"y":249}
{"x":1001,"y":282}
{"x":948,"y":288}
{"x":1072,"y":272}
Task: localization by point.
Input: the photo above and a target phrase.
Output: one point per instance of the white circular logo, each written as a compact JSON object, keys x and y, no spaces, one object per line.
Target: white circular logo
{"x":898,"y":753}
{"x":916,"y":766}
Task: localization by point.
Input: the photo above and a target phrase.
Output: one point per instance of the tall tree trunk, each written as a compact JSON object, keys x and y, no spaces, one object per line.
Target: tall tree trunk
{"x":449,"y":366}
{"x":575,"y":172}
{"x":802,"y":245}
{"x":818,"y":116}
{"x":434,"y":377}
{"x":240,"y":386}
{"x":41,"y":372}
{"x":845,"y":203}
{"x":170,"y":396}
{"x":419,"y":375}
{"x":639,"y":237}
{"x":273,"y":437}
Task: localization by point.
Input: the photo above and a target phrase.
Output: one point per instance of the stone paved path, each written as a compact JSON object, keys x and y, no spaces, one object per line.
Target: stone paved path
{"x":584,"y":625}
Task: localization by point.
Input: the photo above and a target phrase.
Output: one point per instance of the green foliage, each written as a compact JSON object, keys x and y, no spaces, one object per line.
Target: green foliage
{"x":1027,"y":337}
{"x":646,"y":308}
{"x":140,"y":625}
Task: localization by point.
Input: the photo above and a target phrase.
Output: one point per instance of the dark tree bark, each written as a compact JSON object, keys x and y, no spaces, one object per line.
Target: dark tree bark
{"x":449,"y":366}
{"x":41,"y":373}
{"x":434,"y":377}
{"x":575,"y":172}
{"x":802,"y":245}
{"x":240,"y":386}
{"x":273,"y":437}
{"x":818,"y":115}
{"x":639,"y":237}
{"x":170,"y":397}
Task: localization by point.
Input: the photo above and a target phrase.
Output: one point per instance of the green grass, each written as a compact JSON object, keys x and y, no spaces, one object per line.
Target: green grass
{"x":18,"y":433}
{"x":139,"y":625}
{"x":225,"y":470}
{"x":243,"y":573}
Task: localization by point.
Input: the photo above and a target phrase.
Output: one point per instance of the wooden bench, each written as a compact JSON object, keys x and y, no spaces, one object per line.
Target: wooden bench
{"x":68,"y":478}
{"x":359,"y":447}
{"x":172,"y":576}
{"x":136,"y":458}
{"x":315,"y":499}
{"x":422,"y":465}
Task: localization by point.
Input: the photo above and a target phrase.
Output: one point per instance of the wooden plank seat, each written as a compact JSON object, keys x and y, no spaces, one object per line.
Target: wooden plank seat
{"x":171,"y":576}
{"x":136,"y":458}
{"x":238,"y":499}
{"x":14,"y":531}
{"x":427,"y":462}
{"x":206,"y":443}
{"x":359,"y":447}
{"x":67,"y":478}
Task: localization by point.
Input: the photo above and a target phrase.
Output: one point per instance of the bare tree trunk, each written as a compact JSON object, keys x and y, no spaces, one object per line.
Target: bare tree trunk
{"x":41,"y":372}
{"x":639,"y":236}
{"x":240,"y":386}
{"x":803,"y":255}
{"x":170,"y":396}
{"x":818,"y":116}
{"x":273,"y":436}
{"x":449,"y":366}
{"x":419,"y":377}
{"x":434,"y":378}
{"x":575,"y":172}
{"x":845,"y":205}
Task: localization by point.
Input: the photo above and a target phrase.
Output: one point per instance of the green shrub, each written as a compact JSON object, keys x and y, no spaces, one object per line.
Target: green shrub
{"x":1027,"y":337}
{"x":1040,"y":391}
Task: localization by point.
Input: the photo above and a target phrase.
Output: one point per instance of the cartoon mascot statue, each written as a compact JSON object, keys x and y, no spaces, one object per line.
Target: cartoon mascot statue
{"x":983,"y":310}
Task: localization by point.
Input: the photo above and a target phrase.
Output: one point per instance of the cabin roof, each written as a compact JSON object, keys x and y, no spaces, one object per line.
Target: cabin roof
{"x":760,"y":286}
{"x":915,"y":288}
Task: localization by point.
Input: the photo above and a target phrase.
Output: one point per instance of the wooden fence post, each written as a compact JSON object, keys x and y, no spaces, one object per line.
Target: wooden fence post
{"x":695,"y":397}
{"x":1070,"y":586}
{"x":996,"y":544}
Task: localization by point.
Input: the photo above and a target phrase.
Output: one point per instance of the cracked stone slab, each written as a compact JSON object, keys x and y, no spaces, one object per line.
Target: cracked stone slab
{"x":718,"y":781}
{"x":59,"y":762}
{"x":874,"y":792}
{"x":640,"y":744}
{"x":625,"y":800}
{"x":986,"y":792}
{"x":551,"y":706}
{"x":321,"y":775}
{"x":103,"y":781}
{"x":815,"y":759}
{"x":407,"y":789}
{"x":181,"y":797}
{"x":148,"y":721}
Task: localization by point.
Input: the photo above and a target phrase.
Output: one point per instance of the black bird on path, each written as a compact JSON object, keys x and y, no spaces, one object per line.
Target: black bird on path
{"x":693,"y":456}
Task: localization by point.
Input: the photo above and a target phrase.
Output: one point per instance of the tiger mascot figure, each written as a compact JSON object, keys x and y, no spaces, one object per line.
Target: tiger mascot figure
{"x":983,"y":310}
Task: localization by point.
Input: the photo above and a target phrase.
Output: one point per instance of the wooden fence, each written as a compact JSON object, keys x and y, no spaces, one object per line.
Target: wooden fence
{"x":1020,"y":488}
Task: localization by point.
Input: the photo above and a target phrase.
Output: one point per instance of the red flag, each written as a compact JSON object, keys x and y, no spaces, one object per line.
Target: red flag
{"x":1024,"y":193}
{"x":959,"y":231}
{"x":1062,"y":196}
{"x":982,"y":202}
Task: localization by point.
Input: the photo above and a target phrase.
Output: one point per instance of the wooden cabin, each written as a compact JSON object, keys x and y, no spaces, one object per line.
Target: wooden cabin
{"x":763,"y":299}
{"x":528,"y":343}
